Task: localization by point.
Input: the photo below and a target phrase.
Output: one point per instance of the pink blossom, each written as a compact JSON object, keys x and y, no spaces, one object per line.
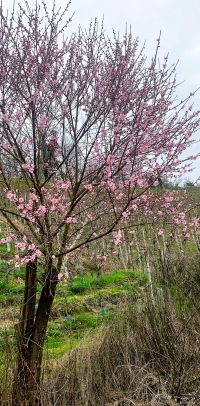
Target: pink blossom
{"x":125,"y":214}
{"x":118,"y":238}
{"x":196,"y":221}
{"x":38,"y":253}
{"x":28,"y":167}
{"x":55,"y":199}
{"x":6,"y":239}
{"x":40,"y":212}
{"x":26,"y":259}
{"x":71,"y":220}
{"x":120,"y":196}
{"x":11,"y":196}
{"x":89,"y":187}
{"x":20,"y":245}
{"x":33,"y":197}
{"x":6,"y":119}
{"x":90,"y":217}
{"x":31,"y":247}
{"x":142,"y":183}
{"x":42,"y":123}
{"x":101,"y":257}
{"x":169,"y":199}
{"x":21,"y":206}
{"x":66,"y":185}
{"x":103,"y":133}
{"x":111,"y":185}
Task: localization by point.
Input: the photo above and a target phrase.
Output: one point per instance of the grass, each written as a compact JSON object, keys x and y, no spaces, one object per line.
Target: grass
{"x":87,"y":282}
{"x":142,"y":357}
{"x":56,"y":347}
{"x":79,"y":306}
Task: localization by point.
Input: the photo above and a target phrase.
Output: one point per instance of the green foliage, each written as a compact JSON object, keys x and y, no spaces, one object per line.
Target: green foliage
{"x":117,"y":278}
{"x":54,"y":332}
{"x":78,"y":307}
{"x":3,"y":284}
{"x":85,"y":320}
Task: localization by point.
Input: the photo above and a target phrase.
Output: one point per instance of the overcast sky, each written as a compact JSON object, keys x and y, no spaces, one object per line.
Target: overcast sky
{"x":179,"y":21}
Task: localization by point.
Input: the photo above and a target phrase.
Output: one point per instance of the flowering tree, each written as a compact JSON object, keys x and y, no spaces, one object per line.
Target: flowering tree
{"x":86,"y":129}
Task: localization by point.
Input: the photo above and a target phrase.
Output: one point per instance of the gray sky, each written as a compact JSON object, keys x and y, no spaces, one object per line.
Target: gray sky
{"x":177,"y":19}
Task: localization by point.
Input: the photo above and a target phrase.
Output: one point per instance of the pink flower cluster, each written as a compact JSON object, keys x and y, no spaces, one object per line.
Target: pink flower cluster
{"x":31,"y":250}
{"x":31,"y":257}
{"x":65,"y":185}
{"x":6,"y":119}
{"x":42,"y":123}
{"x":7,"y":239}
{"x":20,"y":245}
{"x":40,"y":212}
{"x":71,"y":220}
{"x":28,"y":167}
{"x":118,"y":238}
{"x":89,"y":187}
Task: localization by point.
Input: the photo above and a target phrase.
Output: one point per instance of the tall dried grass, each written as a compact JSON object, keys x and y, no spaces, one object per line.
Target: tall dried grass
{"x":145,"y":357}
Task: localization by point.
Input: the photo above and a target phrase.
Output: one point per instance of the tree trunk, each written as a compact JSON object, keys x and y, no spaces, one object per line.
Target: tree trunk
{"x":31,"y":337}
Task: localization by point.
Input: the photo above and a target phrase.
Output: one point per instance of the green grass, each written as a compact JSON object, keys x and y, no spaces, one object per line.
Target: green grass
{"x":56,"y":348}
{"x":85,"y":320}
{"x":79,"y":307}
{"x":88,"y":282}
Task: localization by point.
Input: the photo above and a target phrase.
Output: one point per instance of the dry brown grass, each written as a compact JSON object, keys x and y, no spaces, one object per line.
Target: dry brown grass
{"x":145,"y":357}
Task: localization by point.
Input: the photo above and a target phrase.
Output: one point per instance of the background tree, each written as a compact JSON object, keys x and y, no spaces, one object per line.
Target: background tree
{"x":84,"y":122}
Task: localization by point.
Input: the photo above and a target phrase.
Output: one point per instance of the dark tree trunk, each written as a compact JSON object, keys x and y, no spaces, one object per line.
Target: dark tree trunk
{"x":31,"y":337}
